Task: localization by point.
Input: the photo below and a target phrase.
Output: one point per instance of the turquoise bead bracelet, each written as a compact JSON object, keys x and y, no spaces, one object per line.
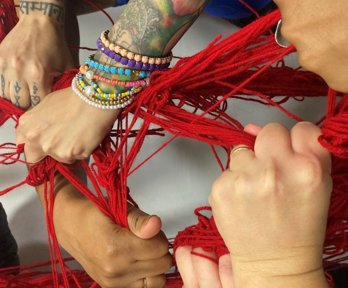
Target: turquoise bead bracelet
{"x":116,"y":70}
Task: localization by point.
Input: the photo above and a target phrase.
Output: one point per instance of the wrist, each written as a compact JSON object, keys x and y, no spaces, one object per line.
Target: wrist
{"x":43,"y":11}
{"x":313,"y":279}
{"x":296,"y":271}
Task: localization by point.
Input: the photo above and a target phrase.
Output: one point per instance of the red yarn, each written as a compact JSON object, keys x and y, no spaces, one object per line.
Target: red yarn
{"x":246,"y":66}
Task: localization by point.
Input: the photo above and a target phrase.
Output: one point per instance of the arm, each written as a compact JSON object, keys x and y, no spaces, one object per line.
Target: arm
{"x":169,"y":20}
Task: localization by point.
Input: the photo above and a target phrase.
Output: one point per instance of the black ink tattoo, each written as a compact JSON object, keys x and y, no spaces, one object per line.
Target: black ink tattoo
{"x":35,"y":98}
{"x":48,"y":9}
{"x":3,"y":85}
{"x":17,"y":88}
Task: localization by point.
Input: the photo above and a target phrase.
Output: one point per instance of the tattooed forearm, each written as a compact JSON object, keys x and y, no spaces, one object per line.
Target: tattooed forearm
{"x":35,"y":98}
{"x":17,"y":89}
{"x":54,"y":10}
{"x":148,"y":26}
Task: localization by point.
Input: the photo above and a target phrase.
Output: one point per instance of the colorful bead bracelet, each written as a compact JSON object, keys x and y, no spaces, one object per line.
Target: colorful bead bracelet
{"x":131,"y":55}
{"x":130,"y":62}
{"x":105,"y":105}
{"x":116,"y":70}
{"x":90,"y":75}
{"x":92,"y":90}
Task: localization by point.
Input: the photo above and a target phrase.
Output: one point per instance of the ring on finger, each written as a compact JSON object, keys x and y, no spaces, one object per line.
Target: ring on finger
{"x":280,"y":40}
{"x":239,"y":148}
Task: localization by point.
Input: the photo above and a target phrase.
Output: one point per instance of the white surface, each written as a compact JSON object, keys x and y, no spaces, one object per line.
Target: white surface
{"x":173,"y":183}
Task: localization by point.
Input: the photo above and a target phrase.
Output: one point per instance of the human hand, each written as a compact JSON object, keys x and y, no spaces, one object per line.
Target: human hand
{"x":271,"y":208}
{"x":199,"y":272}
{"x":65,"y":135}
{"x":114,"y":257}
{"x":31,"y":55}
{"x":317,"y":28}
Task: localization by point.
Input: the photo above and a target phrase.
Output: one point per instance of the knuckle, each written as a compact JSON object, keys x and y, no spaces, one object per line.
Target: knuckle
{"x":163,"y":247}
{"x":37,"y":72}
{"x":268,"y":183}
{"x":109,"y":270}
{"x":309,"y":173}
{"x":222,"y":189}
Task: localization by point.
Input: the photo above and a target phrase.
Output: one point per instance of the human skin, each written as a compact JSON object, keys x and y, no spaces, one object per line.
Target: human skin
{"x":39,"y":128}
{"x":102,"y":261}
{"x":29,"y":66}
{"x":271,"y":208}
{"x":318,"y":30}
{"x":113,"y":256}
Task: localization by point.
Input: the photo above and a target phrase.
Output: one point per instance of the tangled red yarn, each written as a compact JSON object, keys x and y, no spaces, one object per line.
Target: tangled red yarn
{"x":239,"y":67}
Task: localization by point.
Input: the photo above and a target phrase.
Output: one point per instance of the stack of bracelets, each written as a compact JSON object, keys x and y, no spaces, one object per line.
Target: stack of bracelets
{"x":125,"y":80}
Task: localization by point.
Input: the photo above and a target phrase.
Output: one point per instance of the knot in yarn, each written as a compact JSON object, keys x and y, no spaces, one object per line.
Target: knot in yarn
{"x":41,"y":172}
{"x":204,"y":235}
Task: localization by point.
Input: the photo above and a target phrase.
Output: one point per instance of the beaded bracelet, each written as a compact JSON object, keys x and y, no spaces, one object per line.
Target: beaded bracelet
{"x":116,"y":70}
{"x":130,"y":62}
{"x":89,"y":74}
{"x":131,"y":55}
{"x":109,"y":105}
{"x":92,"y":90}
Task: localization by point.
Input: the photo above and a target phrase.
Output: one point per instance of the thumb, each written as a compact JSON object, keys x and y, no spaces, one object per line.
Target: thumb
{"x":143,"y":225}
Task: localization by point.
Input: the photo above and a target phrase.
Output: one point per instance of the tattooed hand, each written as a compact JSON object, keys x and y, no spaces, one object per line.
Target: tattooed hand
{"x":34,"y":53}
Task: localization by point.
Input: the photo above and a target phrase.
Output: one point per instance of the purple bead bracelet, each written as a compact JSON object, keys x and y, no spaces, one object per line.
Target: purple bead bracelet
{"x":130,"y":62}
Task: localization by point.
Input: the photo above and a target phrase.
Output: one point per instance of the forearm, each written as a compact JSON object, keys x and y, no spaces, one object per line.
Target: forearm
{"x":153,"y":27}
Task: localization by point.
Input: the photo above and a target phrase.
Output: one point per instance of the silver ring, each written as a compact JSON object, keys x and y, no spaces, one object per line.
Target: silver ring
{"x":237,"y":149}
{"x":280,"y":40}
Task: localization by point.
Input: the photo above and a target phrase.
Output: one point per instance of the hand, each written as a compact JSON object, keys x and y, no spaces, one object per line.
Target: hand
{"x":64,"y":134}
{"x":113,"y":256}
{"x":271,"y":208}
{"x":317,"y":28}
{"x":31,"y":55}
{"x":199,"y":272}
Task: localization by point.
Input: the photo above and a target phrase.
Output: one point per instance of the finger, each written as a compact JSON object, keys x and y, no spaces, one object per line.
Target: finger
{"x":38,"y":92}
{"x":206,"y":270}
{"x":4,"y":88}
{"x":19,"y":94}
{"x":33,"y":154}
{"x":304,"y":139}
{"x":240,"y":155}
{"x":143,"y":225}
{"x":183,"y":259}
{"x":252,"y":129}
{"x":151,"y":268}
{"x":150,"y":282}
{"x":225,"y":271}
{"x":273,"y":142}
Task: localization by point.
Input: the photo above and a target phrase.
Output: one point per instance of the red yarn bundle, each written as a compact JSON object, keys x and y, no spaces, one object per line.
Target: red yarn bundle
{"x":239,"y":67}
